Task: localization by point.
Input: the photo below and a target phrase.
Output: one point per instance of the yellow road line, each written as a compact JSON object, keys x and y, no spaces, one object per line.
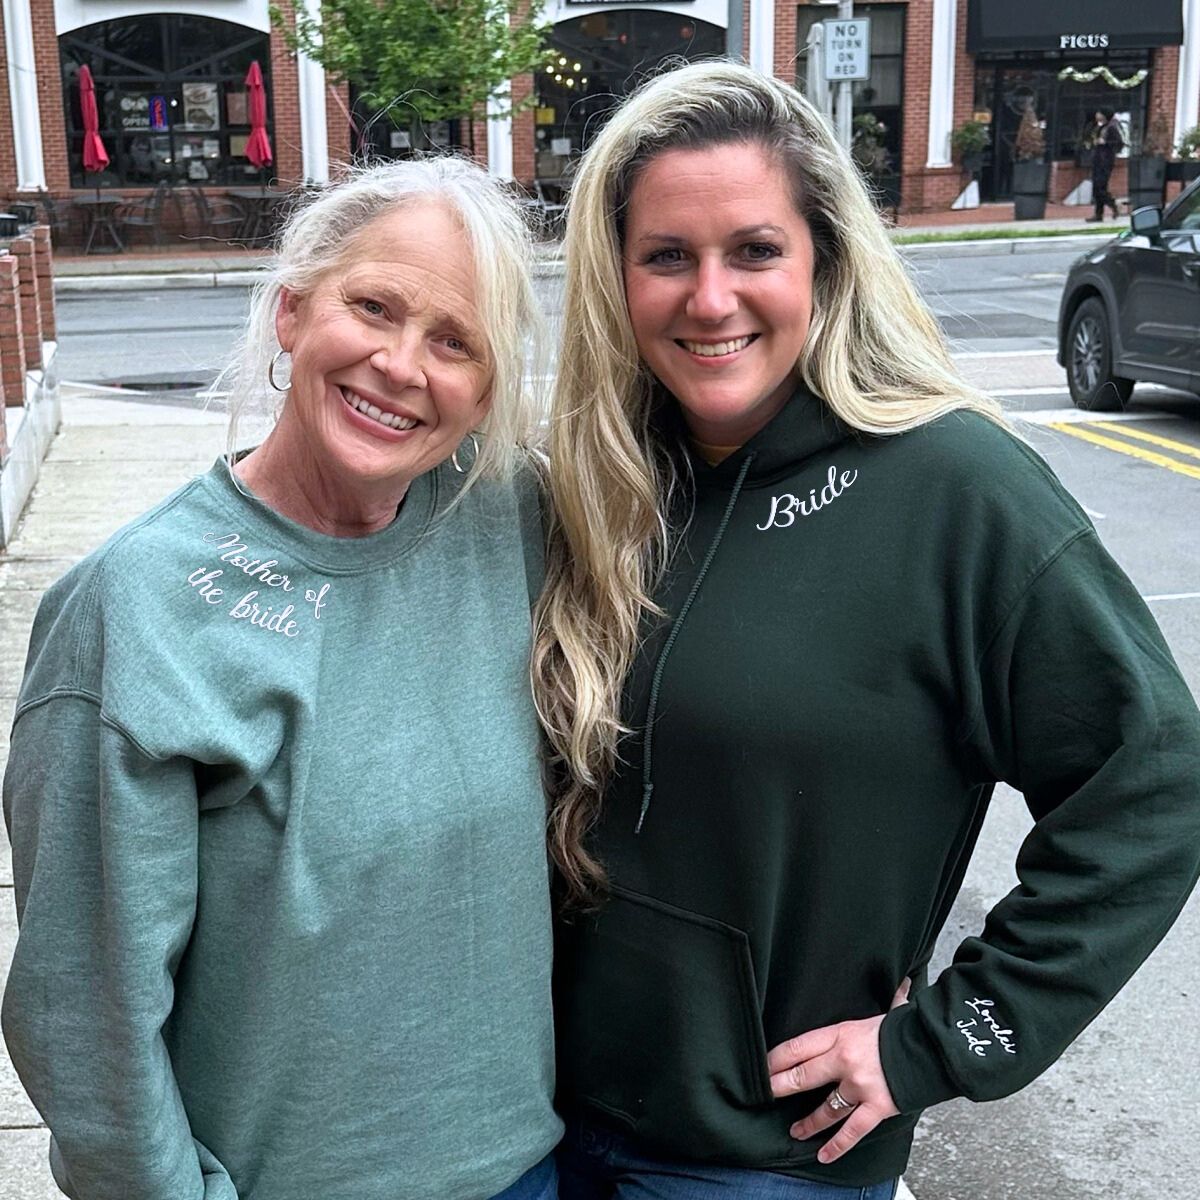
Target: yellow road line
{"x":1155,"y":439}
{"x":1098,"y":439}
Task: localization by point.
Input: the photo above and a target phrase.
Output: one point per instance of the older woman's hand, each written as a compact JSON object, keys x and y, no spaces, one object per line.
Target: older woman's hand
{"x":846,"y":1055}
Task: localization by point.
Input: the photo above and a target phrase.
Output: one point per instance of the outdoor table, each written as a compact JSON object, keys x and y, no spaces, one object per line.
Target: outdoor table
{"x":259,"y":205}
{"x":98,"y":213}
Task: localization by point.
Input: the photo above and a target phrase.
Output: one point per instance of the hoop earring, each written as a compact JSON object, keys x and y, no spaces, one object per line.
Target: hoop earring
{"x":271,"y":373}
{"x":474,"y":454}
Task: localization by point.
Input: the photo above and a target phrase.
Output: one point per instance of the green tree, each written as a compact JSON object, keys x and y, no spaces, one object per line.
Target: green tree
{"x":423,"y":60}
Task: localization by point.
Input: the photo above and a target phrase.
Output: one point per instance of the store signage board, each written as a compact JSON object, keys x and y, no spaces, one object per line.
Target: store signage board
{"x":847,"y":50}
{"x":1072,"y":27}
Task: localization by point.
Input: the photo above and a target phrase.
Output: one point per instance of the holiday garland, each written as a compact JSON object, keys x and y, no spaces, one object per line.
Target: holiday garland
{"x":1103,"y":73}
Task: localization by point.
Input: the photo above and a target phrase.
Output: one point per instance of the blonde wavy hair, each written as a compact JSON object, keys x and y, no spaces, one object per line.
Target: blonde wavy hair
{"x":874,"y":354}
{"x":314,"y":241}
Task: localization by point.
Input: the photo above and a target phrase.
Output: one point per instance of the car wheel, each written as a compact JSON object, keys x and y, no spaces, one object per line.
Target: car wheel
{"x":1090,"y":378}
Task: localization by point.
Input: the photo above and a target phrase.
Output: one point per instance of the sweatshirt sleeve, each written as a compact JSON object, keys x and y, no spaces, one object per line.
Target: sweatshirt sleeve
{"x":1080,"y":707}
{"x":104,"y":845}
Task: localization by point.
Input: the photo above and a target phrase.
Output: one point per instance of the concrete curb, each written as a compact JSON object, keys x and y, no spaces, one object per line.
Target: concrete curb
{"x":1015,"y":245}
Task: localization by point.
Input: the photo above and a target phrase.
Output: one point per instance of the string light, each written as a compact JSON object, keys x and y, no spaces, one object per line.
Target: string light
{"x":565,"y":72}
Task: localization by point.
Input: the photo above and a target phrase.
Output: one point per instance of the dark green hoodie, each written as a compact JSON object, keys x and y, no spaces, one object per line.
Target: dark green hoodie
{"x":864,"y":635}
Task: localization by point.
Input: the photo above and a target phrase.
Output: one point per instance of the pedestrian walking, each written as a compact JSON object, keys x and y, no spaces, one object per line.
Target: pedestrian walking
{"x":808,"y":601}
{"x":1108,"y":144}
{"x":274,"y":787}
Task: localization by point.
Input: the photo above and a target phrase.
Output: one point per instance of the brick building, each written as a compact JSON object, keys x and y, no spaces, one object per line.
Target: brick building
{"x":172,"y":104}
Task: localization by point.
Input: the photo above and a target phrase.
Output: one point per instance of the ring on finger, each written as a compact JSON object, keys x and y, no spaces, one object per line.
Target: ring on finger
{"x":837,"y":1102}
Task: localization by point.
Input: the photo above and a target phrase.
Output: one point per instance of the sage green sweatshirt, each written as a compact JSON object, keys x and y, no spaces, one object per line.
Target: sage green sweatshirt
{"x":277,"y":828}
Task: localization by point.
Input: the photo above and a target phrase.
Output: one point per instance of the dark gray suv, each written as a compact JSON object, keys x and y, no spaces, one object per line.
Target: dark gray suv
{"x":1131,"y":309}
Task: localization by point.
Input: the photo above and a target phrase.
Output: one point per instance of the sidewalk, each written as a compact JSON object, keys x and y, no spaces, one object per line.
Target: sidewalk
{"x":112,"y":460}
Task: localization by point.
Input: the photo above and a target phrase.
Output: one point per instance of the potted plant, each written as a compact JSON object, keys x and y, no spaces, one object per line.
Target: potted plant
{"x":967,"y":144}
{"x":1148,"y":170}
{"x":1031,"y":175}
{"x":1187,"y":153}
{"x":874,"y":160}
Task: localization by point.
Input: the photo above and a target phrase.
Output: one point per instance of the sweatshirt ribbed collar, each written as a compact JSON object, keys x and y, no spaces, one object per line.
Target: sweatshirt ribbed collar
{"x":322,"y":552}
{"x":803,"y":429}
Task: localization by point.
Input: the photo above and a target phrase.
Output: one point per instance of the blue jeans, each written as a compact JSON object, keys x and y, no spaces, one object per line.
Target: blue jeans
{"x":538,"y":1183}
{"x":597,"y":1164}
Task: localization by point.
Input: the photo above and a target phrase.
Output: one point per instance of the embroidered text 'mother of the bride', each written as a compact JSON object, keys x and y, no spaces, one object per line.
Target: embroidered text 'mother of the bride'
{"x":785,"y":508}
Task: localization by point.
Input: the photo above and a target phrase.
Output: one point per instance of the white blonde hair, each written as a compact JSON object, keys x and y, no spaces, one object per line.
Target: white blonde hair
{"x":874,"y":354}
{"x":315,"y":238}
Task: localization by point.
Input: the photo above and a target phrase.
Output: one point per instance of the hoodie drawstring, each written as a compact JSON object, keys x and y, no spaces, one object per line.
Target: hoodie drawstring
{"x":647,"y":757}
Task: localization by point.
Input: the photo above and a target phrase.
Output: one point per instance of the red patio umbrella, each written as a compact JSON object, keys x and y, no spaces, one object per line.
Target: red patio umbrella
{"x":95,"y":157}
{"x":258,"y":146}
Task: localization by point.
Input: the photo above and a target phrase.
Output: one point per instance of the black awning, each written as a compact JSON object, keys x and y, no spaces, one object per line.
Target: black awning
{"x":1073,"y":26}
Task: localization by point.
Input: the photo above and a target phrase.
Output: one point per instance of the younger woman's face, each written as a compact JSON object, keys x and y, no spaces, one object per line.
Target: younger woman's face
{"x":718,"y":281}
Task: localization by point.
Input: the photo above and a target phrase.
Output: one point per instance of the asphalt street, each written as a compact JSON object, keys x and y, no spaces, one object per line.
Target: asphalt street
{"x":1116,"y":1116}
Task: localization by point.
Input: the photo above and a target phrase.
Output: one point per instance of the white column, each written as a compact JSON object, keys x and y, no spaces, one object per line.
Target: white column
{"x":23,"y":92}
{"x":762,"y":36}
{"x":500,"y":135}
{"x":314,"y":129}
{"x":1187,"y":91}
{"x":941,"y":82}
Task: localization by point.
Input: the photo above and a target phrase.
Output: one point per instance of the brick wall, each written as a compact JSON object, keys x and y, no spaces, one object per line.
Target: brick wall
{"x":12,"y":347}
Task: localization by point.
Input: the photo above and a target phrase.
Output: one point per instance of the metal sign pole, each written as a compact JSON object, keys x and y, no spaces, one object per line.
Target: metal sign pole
{"x":845,"y":89}
{"x":734,"y":44}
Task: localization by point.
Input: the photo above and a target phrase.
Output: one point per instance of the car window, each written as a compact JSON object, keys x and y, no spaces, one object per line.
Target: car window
{"x":1186,"y":215}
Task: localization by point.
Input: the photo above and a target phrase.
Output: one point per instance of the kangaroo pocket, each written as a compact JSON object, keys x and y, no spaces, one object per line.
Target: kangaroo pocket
{"x":659,"y":1026}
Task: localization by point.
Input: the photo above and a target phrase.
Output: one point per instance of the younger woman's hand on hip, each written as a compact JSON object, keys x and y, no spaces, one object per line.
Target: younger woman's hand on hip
{"x":846,"y":1055}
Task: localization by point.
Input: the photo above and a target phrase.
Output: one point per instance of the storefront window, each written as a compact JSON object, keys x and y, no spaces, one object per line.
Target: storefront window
{"x":1006,"y":87}
{"x":170,"y":92}
{"x":883,"y":94}
{"x":597,"y":59}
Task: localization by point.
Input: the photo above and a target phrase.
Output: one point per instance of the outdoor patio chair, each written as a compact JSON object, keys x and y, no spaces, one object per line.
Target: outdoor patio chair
{"x":146,"y":213}
{"x":57,"y":217}
{"x":550,"y":199}
{"x":220,"y":216}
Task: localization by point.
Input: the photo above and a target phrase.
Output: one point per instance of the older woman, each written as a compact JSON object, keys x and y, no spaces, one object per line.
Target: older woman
{"x":274,"y":793}
{"x":835,"y":600}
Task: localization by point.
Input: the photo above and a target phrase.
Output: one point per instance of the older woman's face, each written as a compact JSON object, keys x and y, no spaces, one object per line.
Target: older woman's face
{"x":718,"y":281}
{"x":390,"y":368}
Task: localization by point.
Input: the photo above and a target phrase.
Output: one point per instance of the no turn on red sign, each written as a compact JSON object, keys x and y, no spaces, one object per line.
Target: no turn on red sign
{"x":847,"y":49}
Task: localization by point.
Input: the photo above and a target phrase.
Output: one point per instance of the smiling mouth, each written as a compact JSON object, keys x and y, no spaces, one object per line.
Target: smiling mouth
{"x":716,"y":349}
{"x":375,"y":413}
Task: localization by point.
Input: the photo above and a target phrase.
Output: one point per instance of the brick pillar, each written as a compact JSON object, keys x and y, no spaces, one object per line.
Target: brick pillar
{"x":31,"y":314}
{"x":1164,"y":82}
{"x":51,"y":101}
{"x":43,"y":256}
{"x":337,"y":127}
{"x":523,"y":139}
{"x":288,"y":164}
{"x":481,"y":142}
{"x":12,"y":345}
{"x":785,"y":40}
